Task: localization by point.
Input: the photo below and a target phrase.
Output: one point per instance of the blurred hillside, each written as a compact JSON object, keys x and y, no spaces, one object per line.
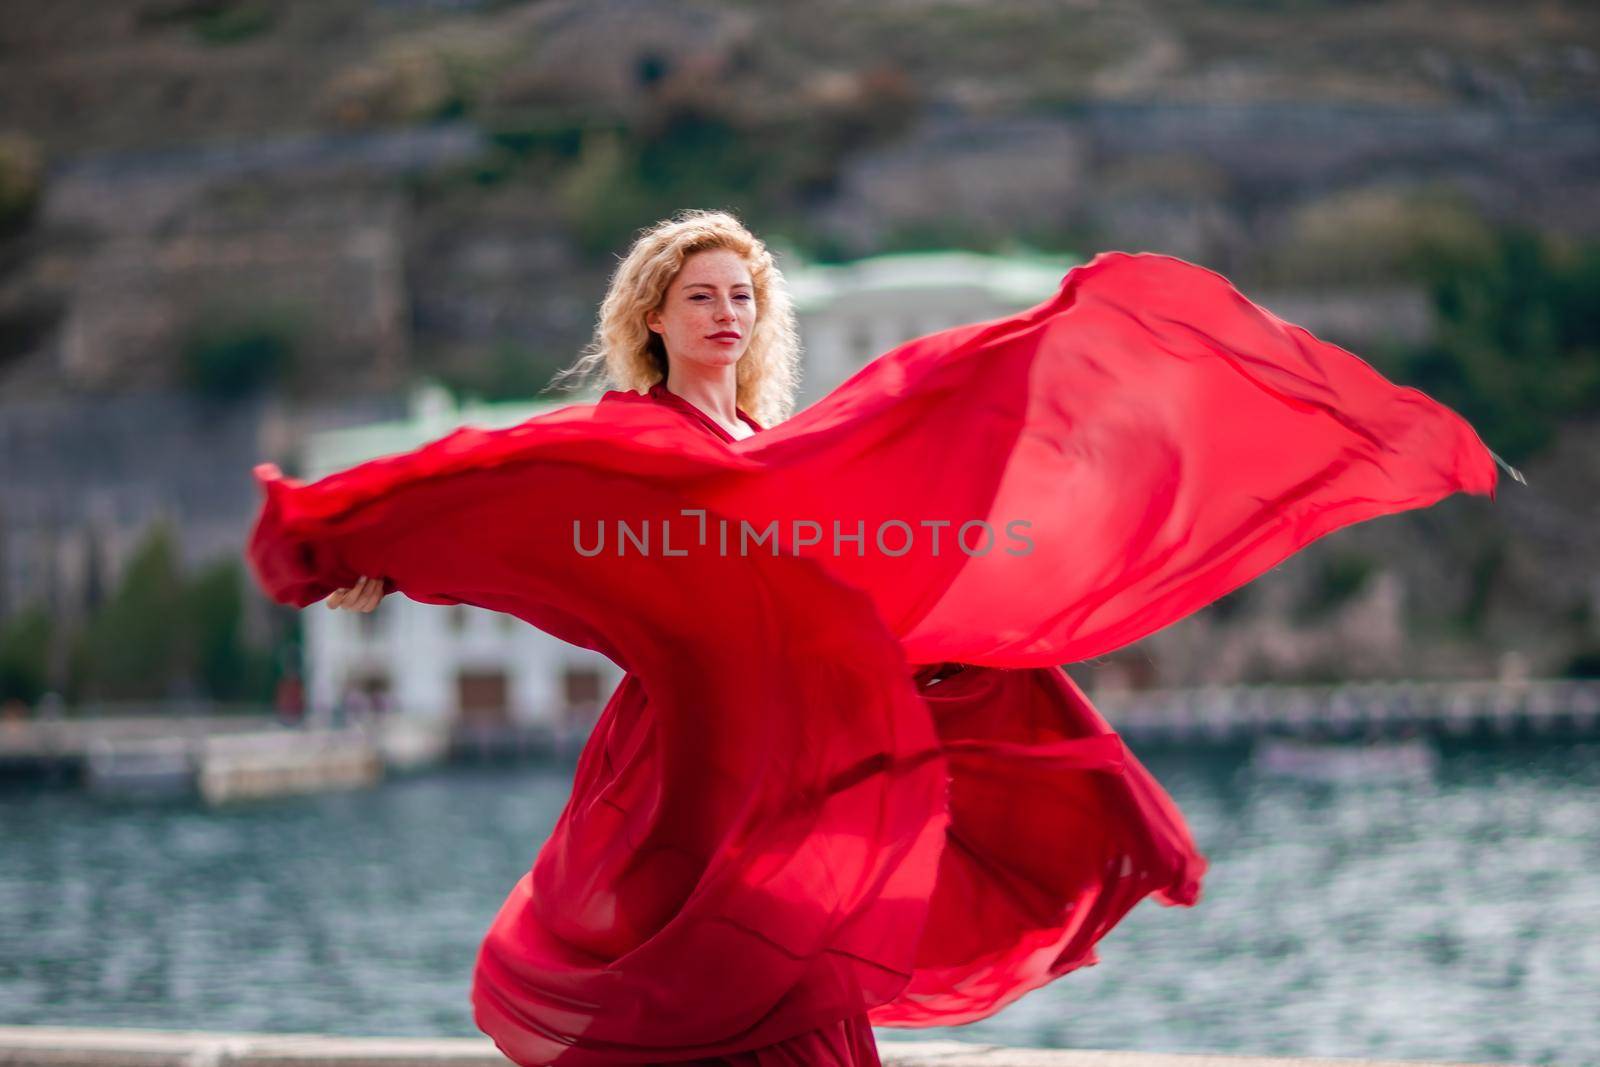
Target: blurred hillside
{"x":275,"y":216}
{"x":453,"y":178}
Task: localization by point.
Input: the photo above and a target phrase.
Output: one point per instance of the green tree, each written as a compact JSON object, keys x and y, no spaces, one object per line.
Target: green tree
{"x":25,"y":655}
{"x":134,"y":645}
{"x":230,"y":353}
{"x":1518,"y":342}
{"x":225,"y":665}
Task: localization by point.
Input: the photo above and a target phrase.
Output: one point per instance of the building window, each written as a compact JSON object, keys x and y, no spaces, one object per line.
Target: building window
{"x":483,"y":697}
{"x":580,"y":692}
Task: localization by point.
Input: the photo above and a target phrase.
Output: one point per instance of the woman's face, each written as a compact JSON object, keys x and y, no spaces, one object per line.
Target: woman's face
{"x":709,"y":310}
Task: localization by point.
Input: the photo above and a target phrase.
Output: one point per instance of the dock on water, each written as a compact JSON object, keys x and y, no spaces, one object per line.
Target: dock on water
{"x":218,"y":759}
{"x":1562,"y":708}
{"x":222,"y":758}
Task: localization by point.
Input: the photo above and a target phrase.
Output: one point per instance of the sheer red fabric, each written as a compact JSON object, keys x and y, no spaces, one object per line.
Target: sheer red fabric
{"x":844,"y":773}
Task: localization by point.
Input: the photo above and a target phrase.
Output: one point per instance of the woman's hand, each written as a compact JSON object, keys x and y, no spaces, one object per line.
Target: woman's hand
{"x":363,"y":596}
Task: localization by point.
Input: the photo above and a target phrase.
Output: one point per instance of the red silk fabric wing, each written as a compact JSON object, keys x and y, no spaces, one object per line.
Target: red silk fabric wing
{"x":844,"y":772}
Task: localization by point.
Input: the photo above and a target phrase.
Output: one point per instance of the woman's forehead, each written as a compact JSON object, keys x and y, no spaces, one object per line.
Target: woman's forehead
{"x":713,"y":267}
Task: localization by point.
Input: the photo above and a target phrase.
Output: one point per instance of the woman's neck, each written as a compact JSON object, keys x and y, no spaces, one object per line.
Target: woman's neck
{"x":714,"y":391}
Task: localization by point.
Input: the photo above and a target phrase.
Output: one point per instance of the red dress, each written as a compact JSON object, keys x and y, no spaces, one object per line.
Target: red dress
{"x":844,"y":778}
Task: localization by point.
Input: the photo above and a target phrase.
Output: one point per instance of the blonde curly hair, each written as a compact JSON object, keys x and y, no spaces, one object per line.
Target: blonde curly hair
{"x":627,"y":354}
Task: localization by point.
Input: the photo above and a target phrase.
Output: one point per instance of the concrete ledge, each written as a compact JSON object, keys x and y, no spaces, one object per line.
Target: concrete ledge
{"x":42,"y":1046}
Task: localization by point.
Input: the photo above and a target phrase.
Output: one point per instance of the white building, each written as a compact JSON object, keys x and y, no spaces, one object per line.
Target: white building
{"x":461,"y":666}
{"x":852,"y":312}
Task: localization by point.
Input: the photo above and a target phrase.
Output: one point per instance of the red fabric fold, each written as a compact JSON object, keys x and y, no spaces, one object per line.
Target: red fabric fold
{"x":837,"y":782}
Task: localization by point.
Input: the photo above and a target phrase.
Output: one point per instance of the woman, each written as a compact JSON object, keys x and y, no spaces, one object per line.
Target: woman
{"x":844,"y":779}
{"x":707,"y":316}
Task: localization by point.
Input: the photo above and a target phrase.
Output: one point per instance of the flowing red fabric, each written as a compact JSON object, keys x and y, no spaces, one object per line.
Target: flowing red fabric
{"x":844,"y":773}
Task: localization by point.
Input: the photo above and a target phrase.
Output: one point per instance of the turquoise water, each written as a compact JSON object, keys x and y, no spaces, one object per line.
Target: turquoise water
{"x":1452,"y":917}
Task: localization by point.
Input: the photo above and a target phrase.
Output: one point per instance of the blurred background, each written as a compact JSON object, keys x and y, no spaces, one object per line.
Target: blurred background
{"x":235,"y":231}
